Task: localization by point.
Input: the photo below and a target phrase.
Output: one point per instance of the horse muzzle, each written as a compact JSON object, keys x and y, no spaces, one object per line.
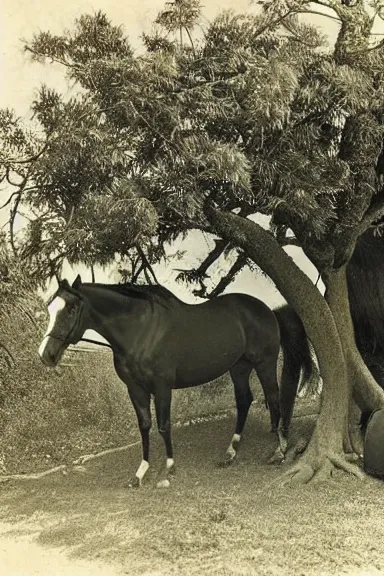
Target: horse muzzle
{"x":50,"y":351}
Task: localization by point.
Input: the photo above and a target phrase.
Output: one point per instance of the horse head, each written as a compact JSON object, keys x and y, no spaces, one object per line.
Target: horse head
{"x":66,"y":312}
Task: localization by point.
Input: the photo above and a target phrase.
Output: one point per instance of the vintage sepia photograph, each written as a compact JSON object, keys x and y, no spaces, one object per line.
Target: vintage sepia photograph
{"x":192,"y":288}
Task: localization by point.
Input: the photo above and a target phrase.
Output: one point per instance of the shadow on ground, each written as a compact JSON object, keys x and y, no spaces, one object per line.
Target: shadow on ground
{"x":212,"y":520}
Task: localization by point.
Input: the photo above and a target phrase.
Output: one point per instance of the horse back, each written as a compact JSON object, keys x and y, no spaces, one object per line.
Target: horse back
{"x":211,"y":337}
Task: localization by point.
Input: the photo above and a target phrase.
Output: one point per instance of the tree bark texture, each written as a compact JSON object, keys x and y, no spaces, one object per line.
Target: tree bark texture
{"x":325,"y":449}
{"x":366,"y":392}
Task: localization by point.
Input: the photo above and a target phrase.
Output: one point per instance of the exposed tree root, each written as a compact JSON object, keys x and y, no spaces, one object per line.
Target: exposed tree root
{"x":298,"y":474}
{"x":35,"y":476}
{"x":352,"y":457}
{"x":340,"y":461}
{"x":77,"y":465}
{"x":315,"y":470}
{"x":88,"y":457}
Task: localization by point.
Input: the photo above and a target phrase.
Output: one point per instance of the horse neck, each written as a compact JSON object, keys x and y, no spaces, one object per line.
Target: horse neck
{"x":104,"y":305}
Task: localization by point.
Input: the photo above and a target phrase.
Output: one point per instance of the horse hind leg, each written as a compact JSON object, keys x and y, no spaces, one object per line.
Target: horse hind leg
{"x":289,"y":384}
{"x":267,"y":372}
{"x":240,"y":373}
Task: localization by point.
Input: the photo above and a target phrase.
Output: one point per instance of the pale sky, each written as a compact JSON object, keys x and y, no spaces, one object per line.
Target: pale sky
{"x":20,"y":78}
{"x":23,"y":18}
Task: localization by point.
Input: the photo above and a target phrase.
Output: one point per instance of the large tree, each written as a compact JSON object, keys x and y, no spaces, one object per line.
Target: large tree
{"x":257,"y":115}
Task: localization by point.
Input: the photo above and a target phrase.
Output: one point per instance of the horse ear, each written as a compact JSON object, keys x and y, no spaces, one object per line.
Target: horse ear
{"x":77,"y":283}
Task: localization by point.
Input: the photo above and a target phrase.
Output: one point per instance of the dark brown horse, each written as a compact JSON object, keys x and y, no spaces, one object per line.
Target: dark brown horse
{"x":160,"y":343}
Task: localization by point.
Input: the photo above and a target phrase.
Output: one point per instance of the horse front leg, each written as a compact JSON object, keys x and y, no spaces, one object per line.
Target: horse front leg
{"x":141,"y":404}
{"x":163,"y":417}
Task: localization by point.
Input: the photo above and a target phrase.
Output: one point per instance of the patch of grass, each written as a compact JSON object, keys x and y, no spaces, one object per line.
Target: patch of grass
{"x":211,"y":521}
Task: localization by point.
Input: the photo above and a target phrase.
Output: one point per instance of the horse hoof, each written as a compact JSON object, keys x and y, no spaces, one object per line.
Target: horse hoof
{"x":276,"y":459}
{"x":226,"y":462}
{"x":163,"y":484}
{"x":135,"y":483}
{"x":171,"y":471}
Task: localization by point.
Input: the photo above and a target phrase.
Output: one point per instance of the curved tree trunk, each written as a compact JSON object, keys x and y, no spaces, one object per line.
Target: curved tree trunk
{"x":325,"y":449}
{"x":366,"y":392}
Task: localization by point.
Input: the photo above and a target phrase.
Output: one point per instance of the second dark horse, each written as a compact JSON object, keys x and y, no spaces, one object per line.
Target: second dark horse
{"x":160,"y":343}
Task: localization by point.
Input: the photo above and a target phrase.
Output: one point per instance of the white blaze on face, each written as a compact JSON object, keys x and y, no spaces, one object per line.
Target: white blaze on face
{"x":54,"y":308}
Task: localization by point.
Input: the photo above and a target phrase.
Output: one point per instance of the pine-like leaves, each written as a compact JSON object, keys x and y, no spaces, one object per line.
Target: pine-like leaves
{"x":257,"y":114}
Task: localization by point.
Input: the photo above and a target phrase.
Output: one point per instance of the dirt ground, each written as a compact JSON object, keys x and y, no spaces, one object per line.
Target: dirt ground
{"x":211,"y":521}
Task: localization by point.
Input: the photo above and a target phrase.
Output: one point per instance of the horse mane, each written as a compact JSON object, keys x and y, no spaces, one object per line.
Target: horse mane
{"x":149,"y":292}
{"x":365,"y":275}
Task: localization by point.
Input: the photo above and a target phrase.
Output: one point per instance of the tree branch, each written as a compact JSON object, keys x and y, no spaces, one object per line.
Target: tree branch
{"x":10,"y":199}
{"x":316,"y":12}
{"x":136,"y":273}
{"x":330,"y":4}
{"x":31,"y":158}
{"x":147,"y":265}
{"x":53,"y":58}
{"x":190,"y":39}
{"x":8,"y":177}
{"x":375,"y":47}
{"x":273,"y":23}
{"x":13,"y":212}
{"x":230,"y":276}
{"x":199,"y":273}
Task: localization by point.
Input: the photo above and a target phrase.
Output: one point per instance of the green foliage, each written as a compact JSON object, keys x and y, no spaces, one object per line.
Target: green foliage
{"x":179,"y":14}
{"x":107,"y":224}
{"x":257,"y":115}
{"x":93,"y":37}
{"x":15,"y":277}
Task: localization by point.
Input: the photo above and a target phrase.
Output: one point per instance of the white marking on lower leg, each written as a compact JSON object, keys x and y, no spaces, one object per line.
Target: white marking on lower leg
{"x":170,"y":463}
{"x":142,"y":469}
{"x":231,"y":450}
{"x":54,"y":308}
{"x":236,"y":438}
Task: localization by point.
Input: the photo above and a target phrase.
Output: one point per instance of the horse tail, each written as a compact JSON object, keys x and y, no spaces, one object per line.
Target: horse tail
{"x":297,"y":360}
{"x":294,"y":342}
